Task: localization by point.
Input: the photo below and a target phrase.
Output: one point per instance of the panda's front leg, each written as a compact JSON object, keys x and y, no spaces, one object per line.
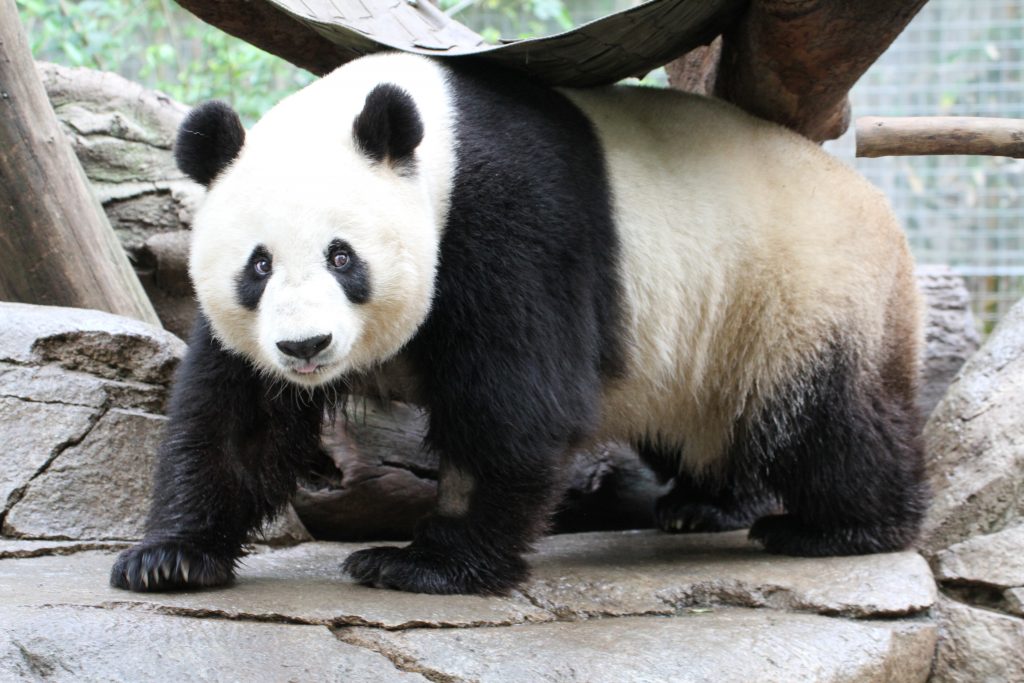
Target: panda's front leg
{"x":499,"y":481}
{"x":230,"y":457}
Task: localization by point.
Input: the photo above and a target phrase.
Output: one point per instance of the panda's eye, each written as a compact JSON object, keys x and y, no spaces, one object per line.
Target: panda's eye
{"x":339,"y":259}
{"x":262,"y":266}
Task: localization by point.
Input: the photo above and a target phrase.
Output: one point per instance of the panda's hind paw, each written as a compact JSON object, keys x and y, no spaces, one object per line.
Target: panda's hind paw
{"x":420,"y":569}
{"x":788,"y":535}
{"x":168,"y":566}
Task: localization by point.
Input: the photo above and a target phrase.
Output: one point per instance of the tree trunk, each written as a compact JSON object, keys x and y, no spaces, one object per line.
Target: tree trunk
{"x":56,"y":246}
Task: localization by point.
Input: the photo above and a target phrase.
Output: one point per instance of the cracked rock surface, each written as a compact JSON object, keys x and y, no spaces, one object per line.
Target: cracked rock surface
{"x":82,"y":397}
{"x":974,"y":532}
{"x":680,"y":608}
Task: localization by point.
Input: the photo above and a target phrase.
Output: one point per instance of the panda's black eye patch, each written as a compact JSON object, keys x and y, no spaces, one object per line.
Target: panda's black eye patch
{"x":349,"y":270}
{"x":252,"y":280}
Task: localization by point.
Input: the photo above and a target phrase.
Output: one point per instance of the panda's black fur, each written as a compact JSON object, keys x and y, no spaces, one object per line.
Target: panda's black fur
{"x":525,"y":328}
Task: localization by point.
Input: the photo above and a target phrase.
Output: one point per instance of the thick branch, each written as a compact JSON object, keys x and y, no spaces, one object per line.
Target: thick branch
{"x":888,"y":136}
{"x":793,"y":61}
{"x":260,"y":24}
{"x":697,"y":70}
{"x":56,"y":246}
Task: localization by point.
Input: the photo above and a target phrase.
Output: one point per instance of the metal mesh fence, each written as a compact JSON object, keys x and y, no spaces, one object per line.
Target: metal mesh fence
{"x":957,"y":57}
{"x":964,"y":58}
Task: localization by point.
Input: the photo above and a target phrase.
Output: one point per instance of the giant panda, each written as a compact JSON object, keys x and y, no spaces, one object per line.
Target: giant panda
{"x":539,"y":269}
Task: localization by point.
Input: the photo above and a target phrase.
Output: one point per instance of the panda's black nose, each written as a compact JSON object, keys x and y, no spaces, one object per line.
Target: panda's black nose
{"x":305,"y":348}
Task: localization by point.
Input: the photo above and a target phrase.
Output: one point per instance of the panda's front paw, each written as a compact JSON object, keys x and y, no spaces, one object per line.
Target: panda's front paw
{"x":168,"y":566}
{"x":426,"y":569}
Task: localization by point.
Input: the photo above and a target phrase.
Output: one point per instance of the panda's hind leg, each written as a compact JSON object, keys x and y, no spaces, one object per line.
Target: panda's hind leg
{"x":848,"y":465}
{"x":720,"y":501}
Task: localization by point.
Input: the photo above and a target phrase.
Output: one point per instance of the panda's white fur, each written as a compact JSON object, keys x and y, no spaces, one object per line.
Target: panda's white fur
{"x":744,"y":246}
{"x":300,"y":168}
{"x":542,"y":269}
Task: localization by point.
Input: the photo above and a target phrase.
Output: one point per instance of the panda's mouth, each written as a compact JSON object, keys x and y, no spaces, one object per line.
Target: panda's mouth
{"x":308,"y":368}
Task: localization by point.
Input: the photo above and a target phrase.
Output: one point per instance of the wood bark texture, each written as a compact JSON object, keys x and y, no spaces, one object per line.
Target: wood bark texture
{"x":794,"y":61}
{"x":56,"y":246}
{"x":879,"y":136}
{"x":697,"y":70}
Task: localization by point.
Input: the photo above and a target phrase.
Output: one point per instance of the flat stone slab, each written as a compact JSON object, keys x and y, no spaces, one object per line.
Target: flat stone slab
{"x":88,"y":645}
{"x":995,"y":560}
{"x":648,"y":572}
{"x":613,"y":606}
{"x":303,"y":584}
{"x":719,"y":646}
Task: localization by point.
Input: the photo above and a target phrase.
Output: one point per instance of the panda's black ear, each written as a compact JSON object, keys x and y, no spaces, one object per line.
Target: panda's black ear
{"x":208,"y":140}
{"x":389,"y":126}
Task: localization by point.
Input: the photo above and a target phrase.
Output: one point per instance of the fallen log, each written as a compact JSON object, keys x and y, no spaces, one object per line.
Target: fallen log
{"x":879,"y":136}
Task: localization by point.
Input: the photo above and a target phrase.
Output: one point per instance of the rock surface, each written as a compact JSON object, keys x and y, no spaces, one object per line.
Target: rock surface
{"x":573,"y":621}
{"x":123,"y":135}
{"x":116,"y":645}
{"x":950,"y":335}
{"x":977,"y":646}
{"x":81,"y":394}
{"x":995,"y":560}
{"x":975,"y":441}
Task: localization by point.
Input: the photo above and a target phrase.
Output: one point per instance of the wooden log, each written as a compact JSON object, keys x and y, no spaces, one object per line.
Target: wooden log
{"x":56,"y":246}
{"x":794,"y":61}
{"x":697,"y":70}
{"x":880,"y":136}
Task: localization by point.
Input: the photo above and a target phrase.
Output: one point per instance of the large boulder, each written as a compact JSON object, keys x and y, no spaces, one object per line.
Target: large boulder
{"x":975,"y":442}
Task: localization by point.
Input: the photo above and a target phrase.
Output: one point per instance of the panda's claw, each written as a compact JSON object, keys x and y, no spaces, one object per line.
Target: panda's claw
{"x":164,"y":566}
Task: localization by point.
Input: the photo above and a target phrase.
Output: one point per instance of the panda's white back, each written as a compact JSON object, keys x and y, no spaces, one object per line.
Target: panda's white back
{"x":744,"y":246}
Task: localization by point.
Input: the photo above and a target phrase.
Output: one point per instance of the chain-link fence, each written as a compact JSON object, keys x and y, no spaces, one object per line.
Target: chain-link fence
{"x":958,"y":58}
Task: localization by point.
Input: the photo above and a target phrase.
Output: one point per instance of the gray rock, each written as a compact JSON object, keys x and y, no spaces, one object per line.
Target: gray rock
{"x":302,"y":584}
{"x":94,"y":342}
{"x":1013,"y":601}
{"x":284,"y":530}
{"x":950,"y":334}
{"x":75,"y":645}
{"x":53,"y":384}
{"x":122,"y":134}
{"x":17,"y":548}
{"x":975,"y":442}
{"x":977,"y":646}
{"x":32,"y":435}
{"x":994,"y":560}
{"x":649,"y":572}
{"x":576,"y":576}
{"x":97,"y":489}
{"x":571,"y":624}
{"x":717,"y":646}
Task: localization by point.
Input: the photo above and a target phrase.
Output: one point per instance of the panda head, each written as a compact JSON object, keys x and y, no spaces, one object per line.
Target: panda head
{"x":314,"y":252}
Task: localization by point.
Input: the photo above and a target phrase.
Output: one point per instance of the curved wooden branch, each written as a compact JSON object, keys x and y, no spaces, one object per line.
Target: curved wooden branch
{"x":897,"y":136}
{"x":793,"y":61}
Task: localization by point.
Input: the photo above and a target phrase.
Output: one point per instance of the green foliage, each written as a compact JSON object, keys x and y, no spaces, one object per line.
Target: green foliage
{"x":496,"y":20}
{"x":160,"y":45}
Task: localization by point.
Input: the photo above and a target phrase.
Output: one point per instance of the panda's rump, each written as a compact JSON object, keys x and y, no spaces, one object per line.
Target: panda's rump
{"x":749,"y":256}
